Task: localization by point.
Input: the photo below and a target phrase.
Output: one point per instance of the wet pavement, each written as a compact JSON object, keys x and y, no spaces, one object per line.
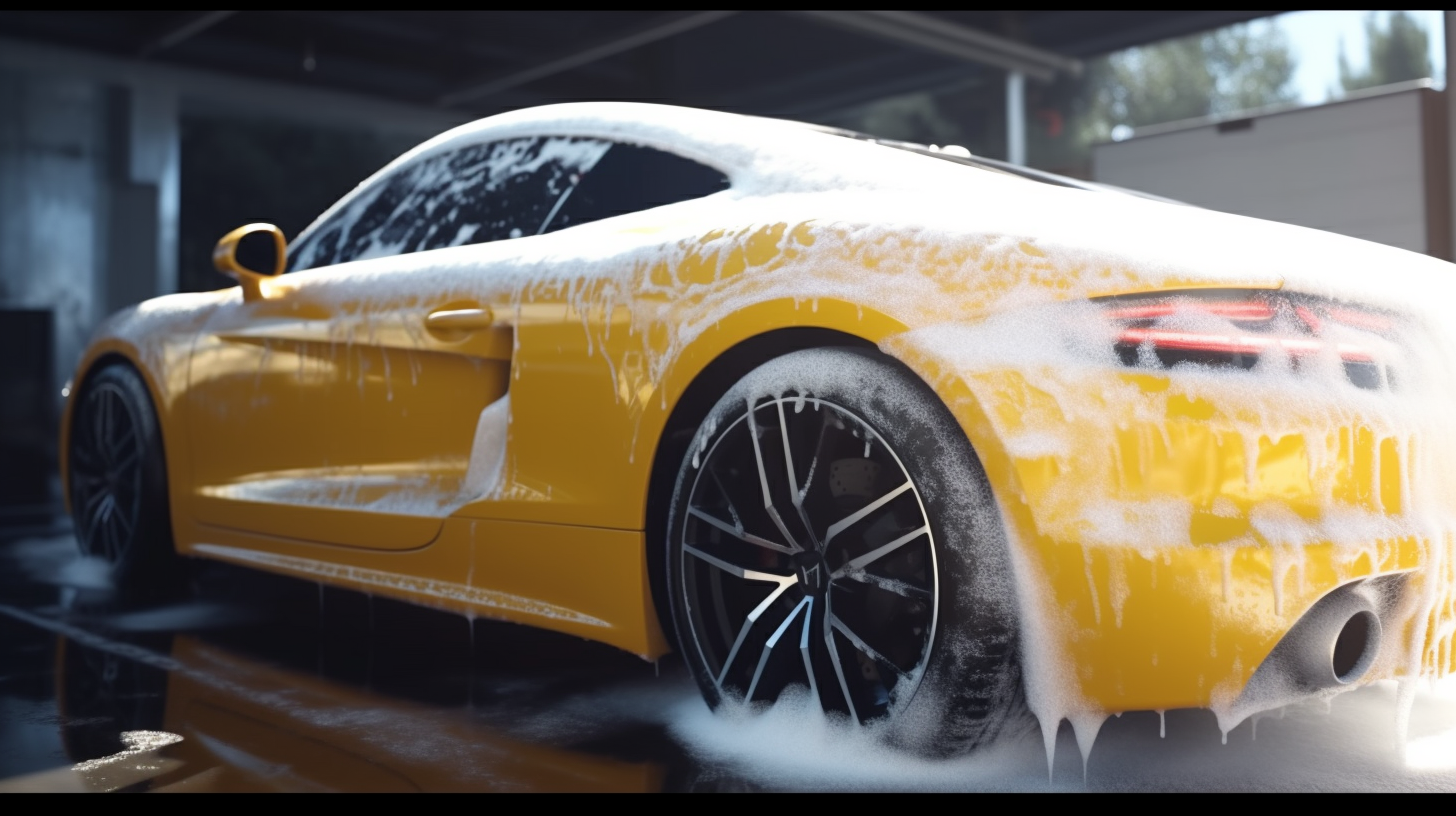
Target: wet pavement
{"x":264,"y":683}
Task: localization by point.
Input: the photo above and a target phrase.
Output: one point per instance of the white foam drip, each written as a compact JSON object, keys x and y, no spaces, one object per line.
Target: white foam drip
{"x":483,"y":599}
{"x":488,"y":452}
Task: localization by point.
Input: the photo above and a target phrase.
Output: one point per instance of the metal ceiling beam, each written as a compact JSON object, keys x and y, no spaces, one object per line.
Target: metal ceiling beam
{"x":841,"y":86}
{"x":1134,"y":28}
{"x":951,"y":39}
{"x":658,"y":30}
{"x":185,"y":31}
{"x":215,"y":93}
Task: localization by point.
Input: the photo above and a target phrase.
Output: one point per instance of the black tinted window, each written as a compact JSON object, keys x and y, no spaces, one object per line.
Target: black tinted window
{"x":471,"y":195}
{"x":630,"y":178}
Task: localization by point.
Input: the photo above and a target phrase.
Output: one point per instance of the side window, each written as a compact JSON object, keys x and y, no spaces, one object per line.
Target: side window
{"x":471,"y":195}
{"x":630,"y":178}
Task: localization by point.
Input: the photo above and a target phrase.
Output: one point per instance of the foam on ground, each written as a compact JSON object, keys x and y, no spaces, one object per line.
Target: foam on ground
{"x":1347,"y":745}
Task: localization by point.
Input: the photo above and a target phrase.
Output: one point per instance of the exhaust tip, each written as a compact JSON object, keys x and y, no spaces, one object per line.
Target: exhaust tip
{"x":1335,"y":644}
{"x":1355,"y":647}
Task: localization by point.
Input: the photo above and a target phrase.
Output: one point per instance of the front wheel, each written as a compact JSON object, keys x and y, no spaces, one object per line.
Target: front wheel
{"x":118,"y":485}
{"x":832,"y":529}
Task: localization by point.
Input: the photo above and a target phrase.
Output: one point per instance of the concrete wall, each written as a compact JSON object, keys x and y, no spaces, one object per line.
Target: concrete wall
{"x":53,"y":203}
{"x":1372,"y":168}
{"x":88,"y":201}
{"x":90,"y":207}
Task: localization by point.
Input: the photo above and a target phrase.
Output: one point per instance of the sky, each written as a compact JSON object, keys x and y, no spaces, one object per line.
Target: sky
{"x":1316,"y":36}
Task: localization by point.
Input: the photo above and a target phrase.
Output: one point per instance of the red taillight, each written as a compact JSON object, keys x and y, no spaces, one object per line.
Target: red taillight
{"x":1360,"y":320}
{"x":1233,"y":311}
{"x":1231,"y":344}
{"x":1237,"y":328}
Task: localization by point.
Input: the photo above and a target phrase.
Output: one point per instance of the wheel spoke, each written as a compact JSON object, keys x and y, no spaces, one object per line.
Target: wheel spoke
{"x":114,"y":535}
{"x":826,"y":415}
{"x":857,"y":564}
{"x":748,"y":624}
{"x":123,"y":521}
{"x":738,"y":532}
{"x":804,"y":650}
{"x":768,"y":504}
{"x":102,"y":426}
{"x":796,"y":496}
{"x":900,"y":588}
{"x":103,"y":523}
{"x":741,"y":572}
{"x":727,"y":498}
{"x":783,"y":581}
{"x":839,"y":526}
{"x":88,"y":505}
{"x":768,"y":647}
{"x":834,"y":622}
{"x":126,"y":463}
{"x":96,"y":513}
{"x":118,"y":446}
{"x":839,"y":669}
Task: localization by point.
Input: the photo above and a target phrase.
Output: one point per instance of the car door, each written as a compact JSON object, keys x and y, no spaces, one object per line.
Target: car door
{"x":358,"y":402}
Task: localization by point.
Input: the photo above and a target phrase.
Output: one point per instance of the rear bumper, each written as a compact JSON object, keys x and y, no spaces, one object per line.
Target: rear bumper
{"x":1168,"y":536}
{"x":1127,"y":630}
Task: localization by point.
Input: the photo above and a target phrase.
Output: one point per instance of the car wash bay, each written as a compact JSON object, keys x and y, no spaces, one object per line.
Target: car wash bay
{"x":134,"y":140}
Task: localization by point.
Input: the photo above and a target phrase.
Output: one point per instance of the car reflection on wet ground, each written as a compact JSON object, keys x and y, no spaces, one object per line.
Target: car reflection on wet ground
{"x":265,"y":683}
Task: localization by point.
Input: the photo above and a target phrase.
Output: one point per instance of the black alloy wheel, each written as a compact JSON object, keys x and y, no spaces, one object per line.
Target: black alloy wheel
{"x":831,"y":530}
{"x":118,"y":484}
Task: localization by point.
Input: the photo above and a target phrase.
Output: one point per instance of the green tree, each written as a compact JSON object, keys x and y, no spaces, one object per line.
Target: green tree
{"x":1232,"y":69}
{"x":1219,"y":72}
{"x":1399,"y":51}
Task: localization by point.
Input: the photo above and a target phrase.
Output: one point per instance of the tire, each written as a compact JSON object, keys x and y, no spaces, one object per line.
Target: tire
{"x":117,"y":479}
{"x":885,"y":588}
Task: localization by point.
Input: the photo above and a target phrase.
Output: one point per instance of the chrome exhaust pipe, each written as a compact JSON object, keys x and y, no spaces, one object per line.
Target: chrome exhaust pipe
{"x":1355,"y":647}
{"x":1330,"y":647}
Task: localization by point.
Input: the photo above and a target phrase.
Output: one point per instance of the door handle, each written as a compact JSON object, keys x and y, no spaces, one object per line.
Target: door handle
{"x":448,"y":320}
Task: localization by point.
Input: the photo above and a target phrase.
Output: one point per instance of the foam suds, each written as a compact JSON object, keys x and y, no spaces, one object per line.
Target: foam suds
{"x":412,"y":495}
{"x":57,"y":561}
{"x":484,"y":599}
{"x":488,"y":453}
{"x":794,"y":746}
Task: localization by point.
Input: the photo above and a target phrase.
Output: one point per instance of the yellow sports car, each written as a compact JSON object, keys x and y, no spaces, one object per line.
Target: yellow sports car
{"x":935,"y":439}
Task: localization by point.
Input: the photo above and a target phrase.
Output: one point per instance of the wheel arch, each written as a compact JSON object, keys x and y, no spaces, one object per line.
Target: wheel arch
{"x":710,"y":382}
{"x":98,"y":359}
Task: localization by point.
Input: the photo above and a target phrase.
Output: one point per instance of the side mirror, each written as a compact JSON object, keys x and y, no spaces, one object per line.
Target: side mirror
{"x":257,"y":250}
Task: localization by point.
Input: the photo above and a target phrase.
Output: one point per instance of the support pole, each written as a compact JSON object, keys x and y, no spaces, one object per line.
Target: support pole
{"x":1449,"y":96}
{"x":144,"y":189}
{"x":1016,"y":117}
{"x":155,"y":144}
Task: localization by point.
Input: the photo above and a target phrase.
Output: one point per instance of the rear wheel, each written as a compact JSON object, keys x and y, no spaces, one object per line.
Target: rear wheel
{"x":831,"y":529}
{"x":118,"y":484}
